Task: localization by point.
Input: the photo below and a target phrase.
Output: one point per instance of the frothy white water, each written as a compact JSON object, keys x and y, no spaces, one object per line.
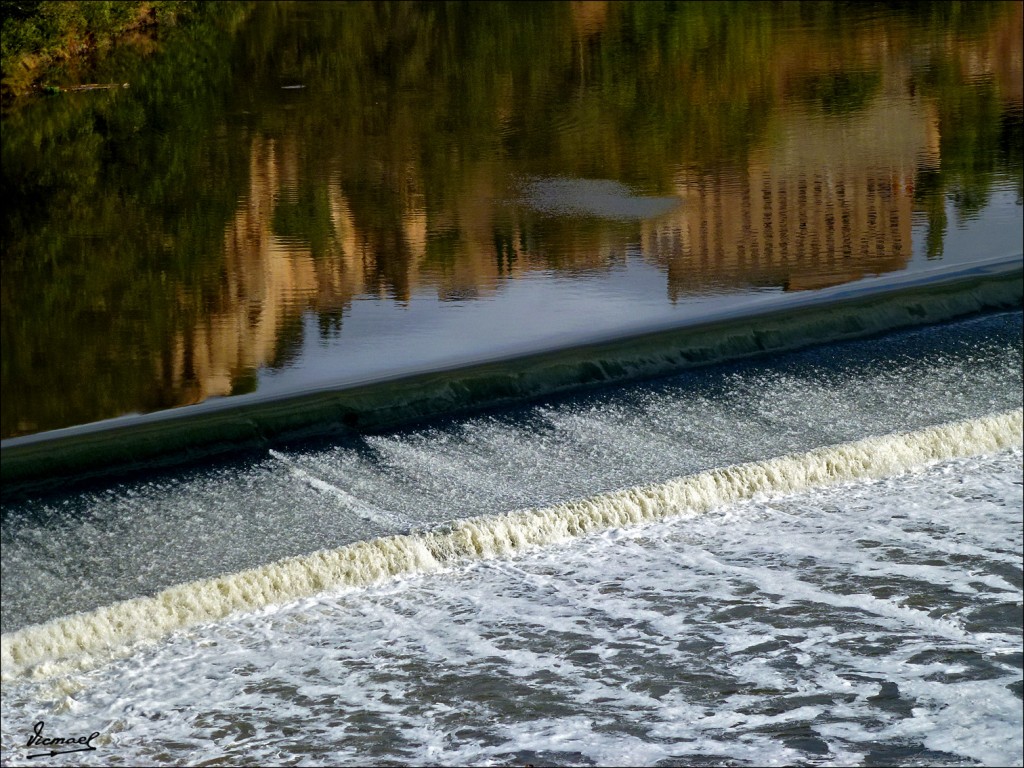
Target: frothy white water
{"x":830,"y":627}
{"x":224,"y":517}
{"x":46,"y":649}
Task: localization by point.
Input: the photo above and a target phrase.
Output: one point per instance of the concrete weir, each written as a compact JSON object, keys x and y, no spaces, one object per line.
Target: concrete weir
{"x":775,"y":324}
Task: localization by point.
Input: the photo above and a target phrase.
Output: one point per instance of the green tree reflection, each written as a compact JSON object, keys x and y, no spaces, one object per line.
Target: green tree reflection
{"x":119,"y":203}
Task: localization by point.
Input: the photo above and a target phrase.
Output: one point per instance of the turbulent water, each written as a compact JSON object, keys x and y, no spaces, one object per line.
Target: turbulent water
{"x":814,"y":558}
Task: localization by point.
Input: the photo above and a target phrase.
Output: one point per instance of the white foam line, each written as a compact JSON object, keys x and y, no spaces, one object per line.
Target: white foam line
{"x":945,"y":546}
{"x":792,"y":590}
{"x":71,"y":642}
{"x":385,"y":520}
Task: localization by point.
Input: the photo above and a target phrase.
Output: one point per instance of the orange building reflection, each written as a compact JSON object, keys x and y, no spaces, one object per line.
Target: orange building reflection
{"x":828,"y":201}
{"x":823,"y":199}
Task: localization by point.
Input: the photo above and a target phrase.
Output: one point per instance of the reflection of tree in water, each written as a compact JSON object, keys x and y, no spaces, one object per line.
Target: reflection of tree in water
{"x":123,"y":270}
{"x":839,"y":93}
{"x":978,"y":86}
{"x":107,"y":237}
{"x":631,"y":121}
{"x":289,"y":342}
{"x":387,"y":255}
{"x":1011,"y":145}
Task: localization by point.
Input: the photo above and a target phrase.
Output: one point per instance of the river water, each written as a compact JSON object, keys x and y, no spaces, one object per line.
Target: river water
{"x":812,"y":556}
{"x":373,"y":600}
{"x":325,"y":194}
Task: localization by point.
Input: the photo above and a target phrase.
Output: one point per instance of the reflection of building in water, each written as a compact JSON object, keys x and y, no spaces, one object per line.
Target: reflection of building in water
{"x":830,"y":200}
{"x":479,"y":240}
{"x":826,"y":199}
{"x":266,"y":283}
{"x":588,"y":16}
{"x":784,"y":220}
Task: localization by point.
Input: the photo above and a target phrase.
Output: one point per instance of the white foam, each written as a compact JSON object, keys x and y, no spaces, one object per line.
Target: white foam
{"x":46,"y":649}
{"x":387,"y":520}
{"x":631,"y":646}
{"x":154,"y":532}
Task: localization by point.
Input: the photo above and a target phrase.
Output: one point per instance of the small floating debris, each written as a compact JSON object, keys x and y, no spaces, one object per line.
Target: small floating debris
{"x":87,"y":87}
{"x":292,"y":87}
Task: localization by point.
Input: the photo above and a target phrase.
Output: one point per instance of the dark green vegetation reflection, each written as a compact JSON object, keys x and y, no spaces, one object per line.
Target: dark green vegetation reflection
{"x":359,"y":140}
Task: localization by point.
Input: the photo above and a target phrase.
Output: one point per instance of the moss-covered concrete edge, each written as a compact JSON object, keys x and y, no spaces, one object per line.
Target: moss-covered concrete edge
{"x":181,"y":436}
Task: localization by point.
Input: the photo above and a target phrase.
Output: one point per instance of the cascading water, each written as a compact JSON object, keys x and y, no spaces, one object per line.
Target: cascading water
{"x":807,"y":545}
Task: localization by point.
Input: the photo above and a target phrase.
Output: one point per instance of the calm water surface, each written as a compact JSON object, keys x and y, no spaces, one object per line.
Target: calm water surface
{"x":313,"y":194}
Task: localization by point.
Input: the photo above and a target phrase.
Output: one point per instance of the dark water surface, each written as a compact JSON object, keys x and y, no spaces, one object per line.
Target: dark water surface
{"x":308,"y":194}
